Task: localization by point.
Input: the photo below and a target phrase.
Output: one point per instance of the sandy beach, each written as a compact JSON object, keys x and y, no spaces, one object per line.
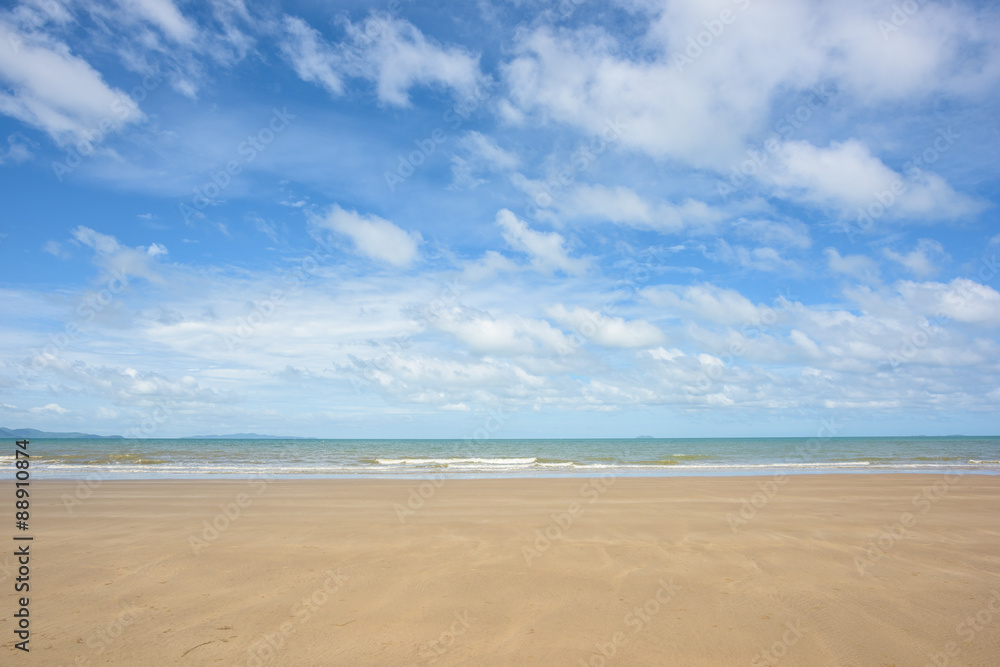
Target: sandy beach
{"x":802,"y":570}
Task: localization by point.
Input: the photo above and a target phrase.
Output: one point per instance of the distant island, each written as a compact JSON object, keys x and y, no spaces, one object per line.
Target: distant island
{"x":35,"y":433}
{"x":30,"y":433}
{"x":244,"y":436}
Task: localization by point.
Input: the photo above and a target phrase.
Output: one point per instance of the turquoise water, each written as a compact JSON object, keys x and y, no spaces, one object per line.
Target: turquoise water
{"x":190,"y":458}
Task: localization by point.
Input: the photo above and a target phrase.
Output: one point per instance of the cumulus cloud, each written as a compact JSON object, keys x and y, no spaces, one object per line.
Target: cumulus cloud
{"x":56,"y":91}
{"x":845,"y":175}
{"x":19,"y":150}
{"x":923,"y":261}
{"x":704,"y":104}
{"x":391,"y":52}
{"x":605,"y":330}
{"x":311,"y":57}
{"x":791,"y":234}
{"x":861,"y":267}
{"x":704,"y":302}
{"x":763,"y":258}
{"x":164,"y":15}
{"x":623,"y":205}
{"x":546,"y":250}
{"x":486,"y":334}
{"x":373,"y":237}
{"x":117,"y":259}
{"x":962,"y":300}
{"x":51,"y":408}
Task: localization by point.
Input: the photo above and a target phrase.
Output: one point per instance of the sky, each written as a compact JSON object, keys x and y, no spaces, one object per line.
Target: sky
{"x":571,"y":218}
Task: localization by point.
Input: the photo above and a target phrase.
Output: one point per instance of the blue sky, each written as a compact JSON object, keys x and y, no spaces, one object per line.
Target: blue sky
{"x":401,"y":219}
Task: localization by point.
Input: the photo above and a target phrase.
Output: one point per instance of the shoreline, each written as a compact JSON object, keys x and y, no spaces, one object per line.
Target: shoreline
{"x":104,"y":476}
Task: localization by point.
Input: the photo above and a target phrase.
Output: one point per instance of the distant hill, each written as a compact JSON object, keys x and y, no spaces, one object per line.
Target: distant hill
{"x":35,"y":433}
{"x":244,"y":436}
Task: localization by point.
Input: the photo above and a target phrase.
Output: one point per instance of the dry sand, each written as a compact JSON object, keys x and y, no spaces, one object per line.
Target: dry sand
{"x":829,"y":570}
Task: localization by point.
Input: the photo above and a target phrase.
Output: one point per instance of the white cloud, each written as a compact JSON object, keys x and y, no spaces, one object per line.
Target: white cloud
{"x":700,"y":104}
{"x":56,"y":91}
{"x":607,"y":331}
{"x":486,"y":334}
{"x":546,"y":250}
{"x":662,"y":354}
{"x":763,"y":258}
{"x":484,"y":148}
{"x":923,"y":261}
{"x":487,"y":267}
{"x":165,"y":15}
{"x":856,"y":266}
{"x":704,"y":302}
{"x":961,"y":299}
{"x":373,"y":237}
{"x":847,"y":176}
{"x":55,"y":249}
{"x":312,"y":59}
{"x":19,"y":151}
{"x":391,"y":52}
{"x":155,"y":249}
{"x":118,"y":260}
{"x":622,"y":205}
{"x":482,"y":155}
{"x":770,"y":232}
{"x":106,"y":413}
{"x":51,"y":408}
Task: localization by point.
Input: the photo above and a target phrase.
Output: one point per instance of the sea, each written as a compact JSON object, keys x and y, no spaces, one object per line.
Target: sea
{"x":189,"y":458}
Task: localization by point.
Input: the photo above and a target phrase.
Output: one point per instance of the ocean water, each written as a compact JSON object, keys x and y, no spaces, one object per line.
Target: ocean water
{"x":204,"y":458}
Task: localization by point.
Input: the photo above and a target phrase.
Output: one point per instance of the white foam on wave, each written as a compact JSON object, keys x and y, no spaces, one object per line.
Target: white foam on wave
{"x":449,"y":462}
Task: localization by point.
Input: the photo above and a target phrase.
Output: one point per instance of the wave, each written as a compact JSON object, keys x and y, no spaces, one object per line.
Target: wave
{"x":458,"y":462}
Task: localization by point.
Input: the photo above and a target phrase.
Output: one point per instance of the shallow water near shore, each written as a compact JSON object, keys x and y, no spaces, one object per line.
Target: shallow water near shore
{"x":198,"y":458}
